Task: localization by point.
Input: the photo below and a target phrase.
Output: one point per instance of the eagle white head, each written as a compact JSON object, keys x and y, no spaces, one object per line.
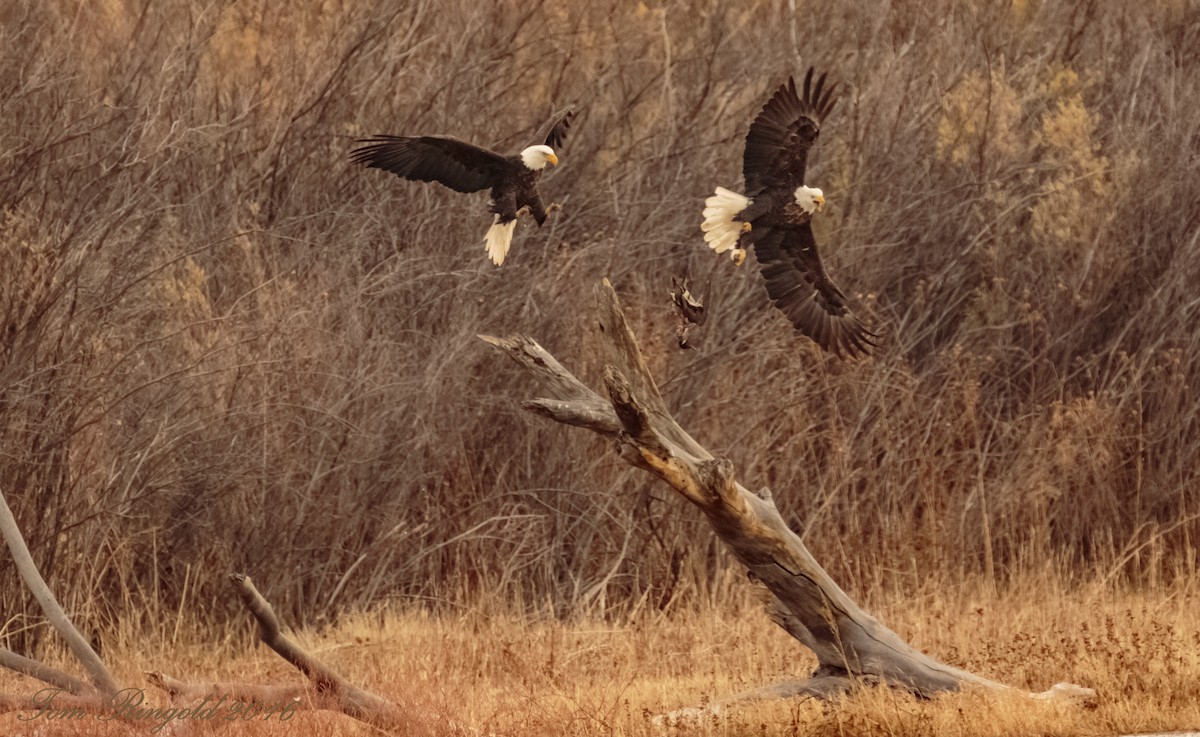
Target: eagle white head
{"x":536,"y":157}
{"x":810,"y":199}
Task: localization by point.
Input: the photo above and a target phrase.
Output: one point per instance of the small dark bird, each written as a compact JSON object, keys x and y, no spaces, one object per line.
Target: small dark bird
{"x":688,"y":309}
{"x":465,"y":167}
{"x":775,"y":216}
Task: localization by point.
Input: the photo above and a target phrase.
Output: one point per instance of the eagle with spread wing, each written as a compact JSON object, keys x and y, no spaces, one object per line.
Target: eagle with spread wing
{"x":465,"y":167}
{"x":775,"y":217}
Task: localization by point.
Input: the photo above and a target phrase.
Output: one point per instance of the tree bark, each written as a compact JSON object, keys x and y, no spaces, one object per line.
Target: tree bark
{"x":102,"y":680}
{"x":44,"y":673}
{"x":848,"y":642}
{"x":332,"y":690}
{"x":327,"y":689}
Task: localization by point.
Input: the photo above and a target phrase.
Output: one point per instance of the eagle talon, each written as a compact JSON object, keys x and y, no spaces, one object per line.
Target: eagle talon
{"x":738,"y":256}
{"x":746,"y":227}
{"x":688,"y":310}
{"x":553,"y":207}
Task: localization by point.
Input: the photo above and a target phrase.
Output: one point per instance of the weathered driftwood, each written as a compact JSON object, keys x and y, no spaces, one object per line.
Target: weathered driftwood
{"x":330,"y":687}
{"x":325,"y":690}
{"x":71,"y":691}
{"x":850,"y":645}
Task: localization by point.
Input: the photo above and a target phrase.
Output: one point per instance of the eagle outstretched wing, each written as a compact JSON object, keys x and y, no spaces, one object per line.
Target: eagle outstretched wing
{"x":459,"y":165}
{"x":800,"y":288}
{"x":558,"y":132}
{"x":779,"y":138}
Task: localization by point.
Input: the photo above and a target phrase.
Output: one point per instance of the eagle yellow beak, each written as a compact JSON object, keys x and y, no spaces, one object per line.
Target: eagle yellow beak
{"x":552,"y":158}
{"x":820,"y":200}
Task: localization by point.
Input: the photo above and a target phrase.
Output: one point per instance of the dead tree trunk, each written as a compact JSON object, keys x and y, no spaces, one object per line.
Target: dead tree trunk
{"x":849,"y":643}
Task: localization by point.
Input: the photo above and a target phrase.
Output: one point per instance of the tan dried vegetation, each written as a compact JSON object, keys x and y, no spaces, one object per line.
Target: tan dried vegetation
{"x":224,"y":349}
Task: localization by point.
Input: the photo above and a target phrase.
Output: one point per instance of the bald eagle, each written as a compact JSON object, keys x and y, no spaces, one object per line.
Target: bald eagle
{"x":465,"y":167}
{"x":775,"y":215}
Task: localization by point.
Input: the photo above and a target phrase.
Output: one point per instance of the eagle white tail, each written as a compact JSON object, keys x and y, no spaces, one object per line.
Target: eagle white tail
{"x":721,"y":231}
{"x":498,"y":239}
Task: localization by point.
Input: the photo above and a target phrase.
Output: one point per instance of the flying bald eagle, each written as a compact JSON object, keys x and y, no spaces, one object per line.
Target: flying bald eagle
{"x":775,"y":217}
{"x":465,"y":167}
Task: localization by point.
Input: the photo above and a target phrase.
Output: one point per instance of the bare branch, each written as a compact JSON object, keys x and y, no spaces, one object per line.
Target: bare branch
{"x":598,"y":417}
{"x":350,"y":699}
{"x":44,"y":673}
{"x":58,"y":618}
{"x":538,"y":361}
{"x":59,"y":700}
{"x":244,"y":692}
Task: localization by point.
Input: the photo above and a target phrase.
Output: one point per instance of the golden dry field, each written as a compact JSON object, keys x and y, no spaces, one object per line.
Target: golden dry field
{"x":224,"y":348}
{"x":481,"y":673}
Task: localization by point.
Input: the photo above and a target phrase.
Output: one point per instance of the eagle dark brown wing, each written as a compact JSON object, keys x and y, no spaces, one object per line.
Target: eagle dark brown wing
{"x":459,"y":165}
{"x":779,"y":138}
{"x":800,"y":288}
{"x":558,"y":132}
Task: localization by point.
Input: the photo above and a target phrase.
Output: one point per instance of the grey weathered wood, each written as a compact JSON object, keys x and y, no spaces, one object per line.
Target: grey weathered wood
{"x":327,"y":689}
{"x":45,"y":674}
{"x":330,"y":690}
{"x":848,"y":642}
{"x":101,"y":678}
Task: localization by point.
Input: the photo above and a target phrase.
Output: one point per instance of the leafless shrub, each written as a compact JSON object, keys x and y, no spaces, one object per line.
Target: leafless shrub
{"x":226,"y":349}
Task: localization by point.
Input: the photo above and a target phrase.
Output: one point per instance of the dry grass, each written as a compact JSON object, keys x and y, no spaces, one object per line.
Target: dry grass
{"x":509,"y":675}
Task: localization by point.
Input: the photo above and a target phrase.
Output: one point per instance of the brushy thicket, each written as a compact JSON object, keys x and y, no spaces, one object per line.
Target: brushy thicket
{"x":224,"y":348}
